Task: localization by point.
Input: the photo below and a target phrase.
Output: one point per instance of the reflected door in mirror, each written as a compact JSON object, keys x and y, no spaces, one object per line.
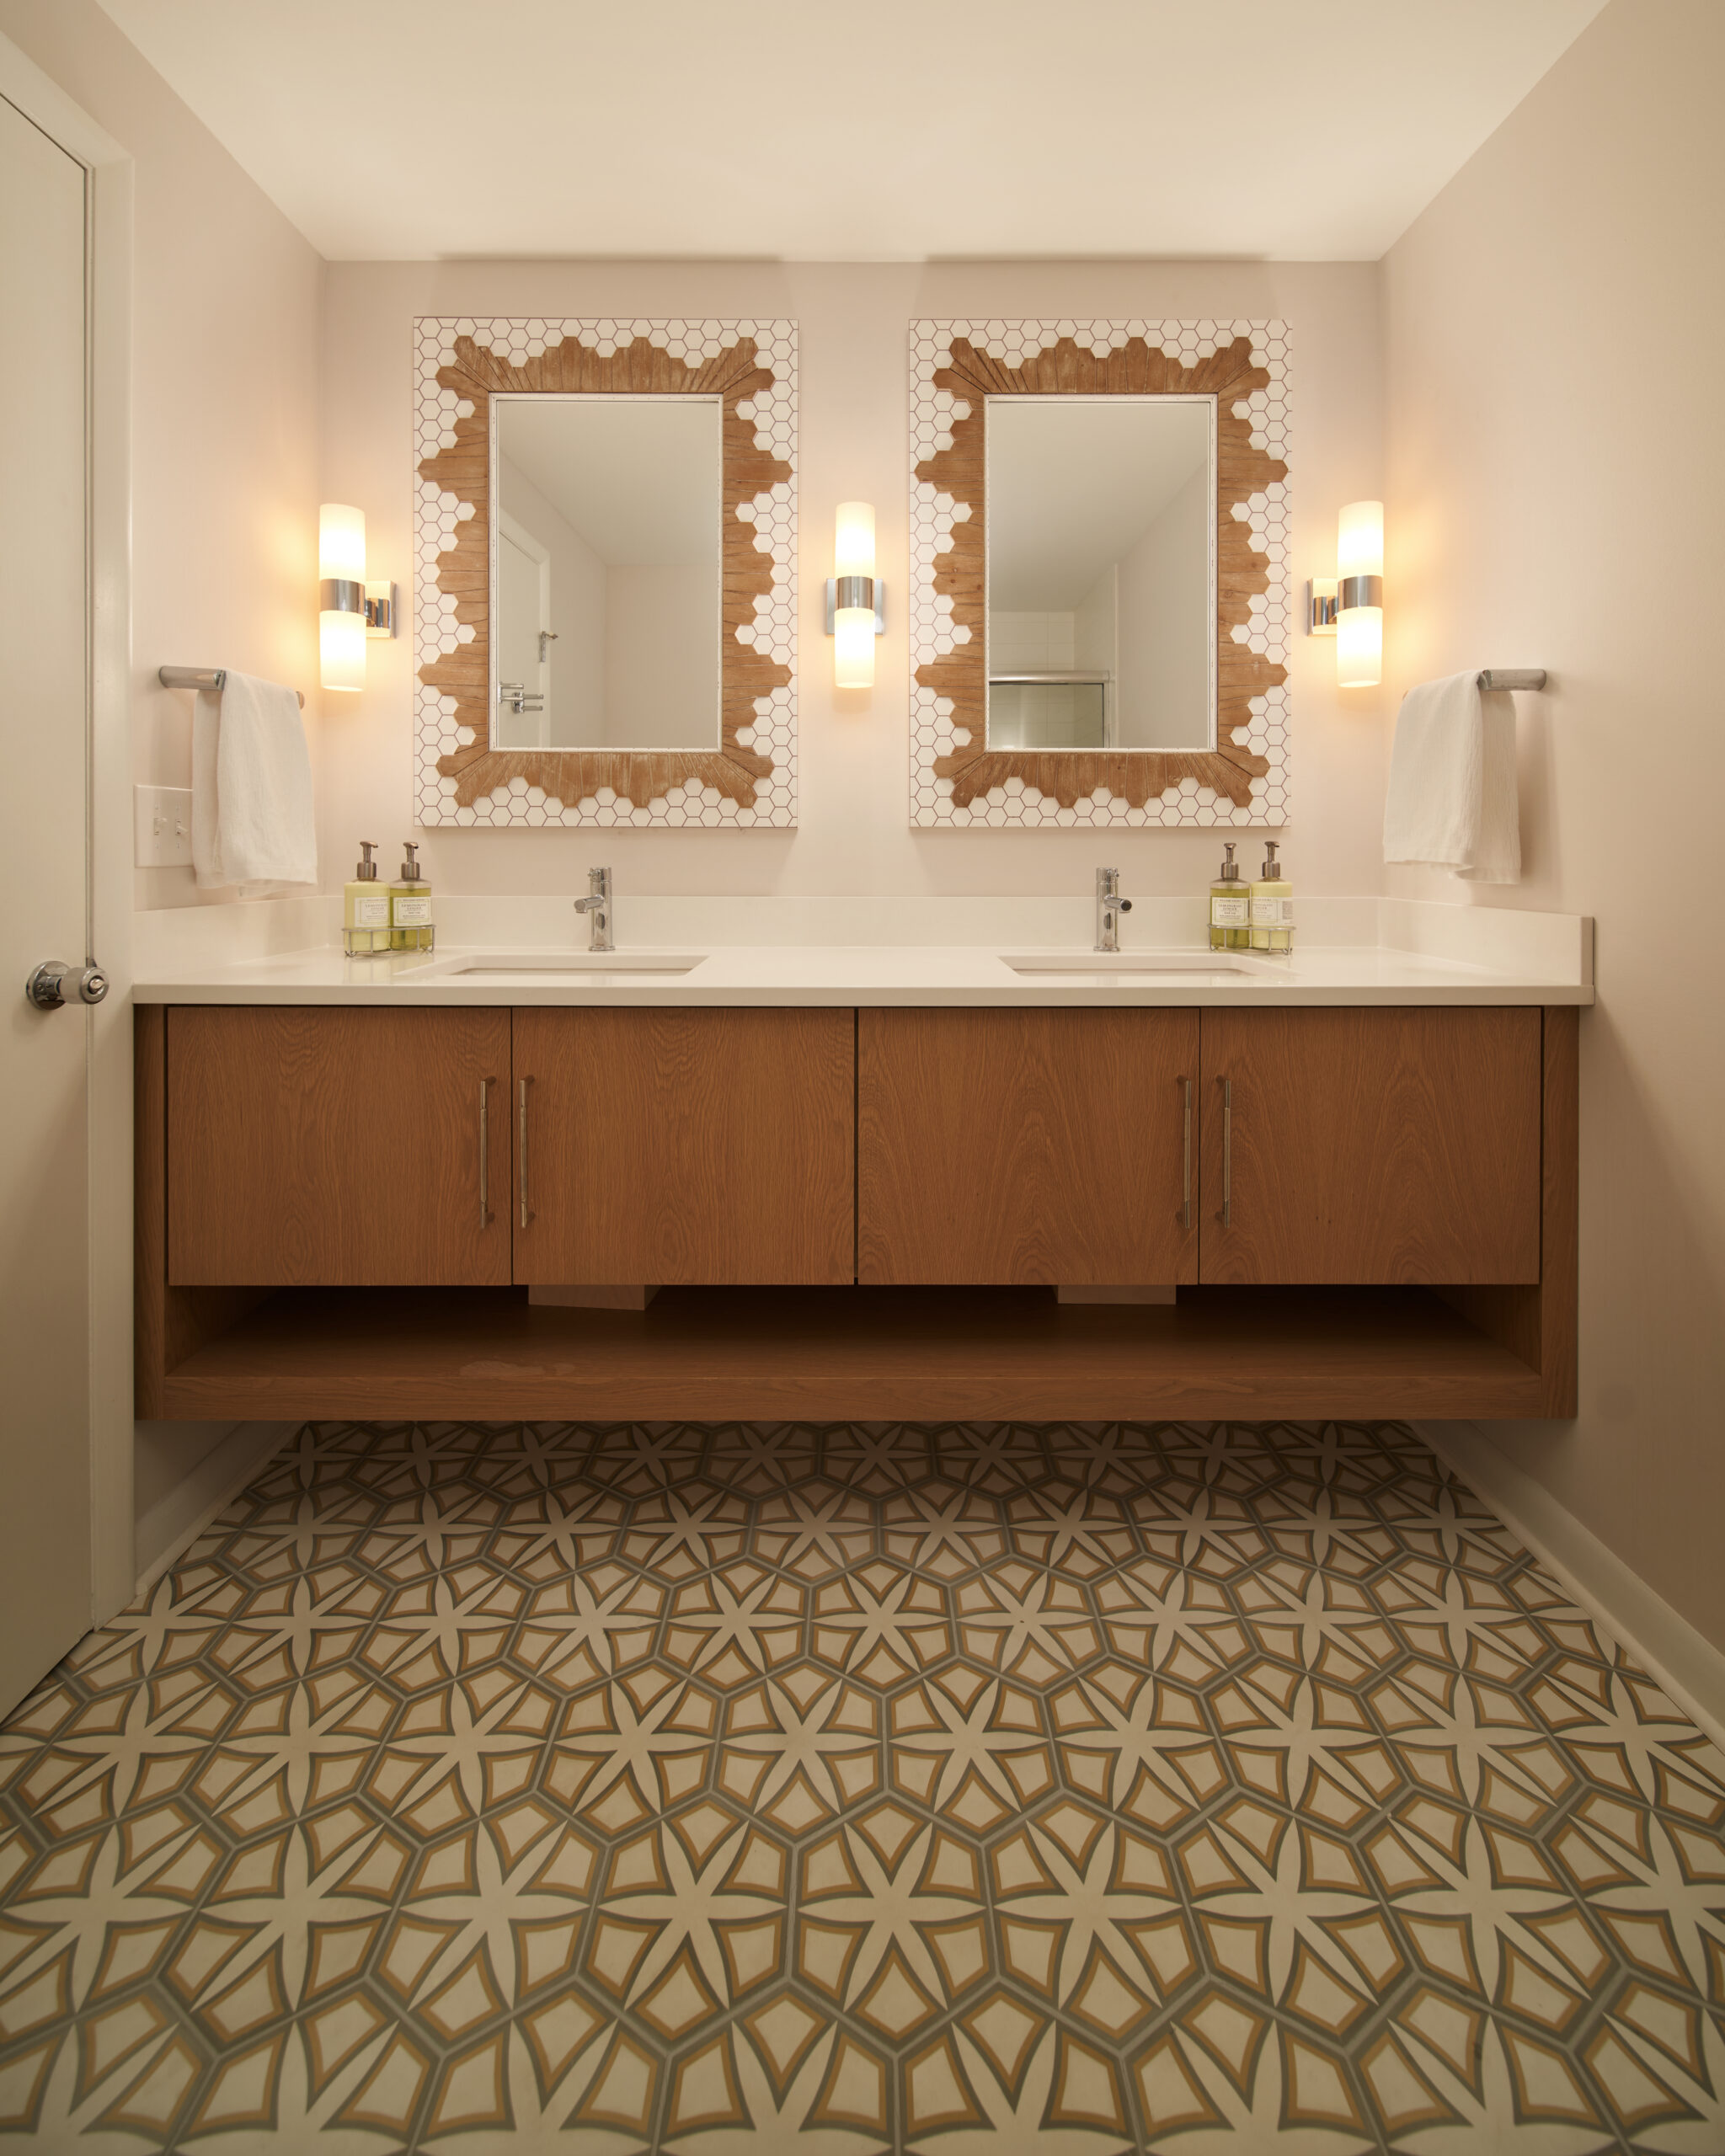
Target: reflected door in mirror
{"x":1101,"y":552}
{"x":606,"y":572}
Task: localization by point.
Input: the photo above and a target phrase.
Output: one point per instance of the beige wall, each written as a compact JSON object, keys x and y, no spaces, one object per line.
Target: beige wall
{"x":854,"y":835}
{"x":225,"y":318}
{"x":1555,"y":333}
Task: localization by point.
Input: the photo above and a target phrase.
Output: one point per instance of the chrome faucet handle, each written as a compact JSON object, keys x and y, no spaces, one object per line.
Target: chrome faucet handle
{"x":597,"y":904}
{"x":1109,"y":906}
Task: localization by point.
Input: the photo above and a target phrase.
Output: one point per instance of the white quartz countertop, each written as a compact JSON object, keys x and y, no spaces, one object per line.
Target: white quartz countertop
{"x":722,"y":950}
{"x":814,"y":974}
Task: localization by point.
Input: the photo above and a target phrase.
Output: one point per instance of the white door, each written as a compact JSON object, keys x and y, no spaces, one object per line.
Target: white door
{"x":45,"y":1286}
{"x":523,"y":589}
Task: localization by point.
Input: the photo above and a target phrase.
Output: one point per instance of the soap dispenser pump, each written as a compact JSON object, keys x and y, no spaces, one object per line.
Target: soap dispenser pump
{"x":364,"y":918}
{"x":410,"y":927}
{"x":1230,"y":907}
{"x":1273,"y":906}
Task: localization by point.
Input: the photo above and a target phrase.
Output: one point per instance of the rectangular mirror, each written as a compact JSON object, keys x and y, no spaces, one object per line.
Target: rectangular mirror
{"x":607,"y":565}
{"x":1101,"y":557}
{"x":1099,"y":611}
{"x":604,"y":619}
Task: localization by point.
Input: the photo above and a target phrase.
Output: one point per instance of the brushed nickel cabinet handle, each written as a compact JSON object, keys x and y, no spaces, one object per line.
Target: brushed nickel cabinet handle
{"x":522,"y":1150}
{"x":1186,"y":1173}
{"x":485,"y":1212}
{"x":1227,"y":1085}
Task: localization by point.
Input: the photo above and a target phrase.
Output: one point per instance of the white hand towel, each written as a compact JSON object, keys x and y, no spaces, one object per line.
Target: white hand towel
{"x":1452,"y":801}
{"x":253,"y":820}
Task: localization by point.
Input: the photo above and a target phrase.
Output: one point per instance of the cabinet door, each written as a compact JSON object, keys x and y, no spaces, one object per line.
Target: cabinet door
{"x":668,"y":1147}
{"x":1371,"y":1146}
{"x":1027,"y":1147}
{"x":337,"y":1147}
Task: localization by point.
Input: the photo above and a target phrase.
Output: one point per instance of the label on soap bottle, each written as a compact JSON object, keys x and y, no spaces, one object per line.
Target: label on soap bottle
{"x":370,"y":912}
{"x":1273,"y":913}
{"x":412,"y":913}
{"x":1228,"y":912}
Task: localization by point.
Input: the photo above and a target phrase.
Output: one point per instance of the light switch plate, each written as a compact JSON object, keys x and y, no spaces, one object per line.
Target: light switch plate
{"x":163,"y":826}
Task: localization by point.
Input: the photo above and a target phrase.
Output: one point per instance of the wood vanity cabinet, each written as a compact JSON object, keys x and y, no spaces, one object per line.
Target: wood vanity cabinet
{"x":1400,"y":1187}
{"x":1371,"y":1147}
{"x":1018,"y":1148}
{"x":312,"y":1147}
{"x":692,"y":1148}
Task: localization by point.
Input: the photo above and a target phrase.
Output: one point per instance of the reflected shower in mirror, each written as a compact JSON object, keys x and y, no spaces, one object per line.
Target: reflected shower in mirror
{"x":606,"y":572}
{"x":1101,"y":552}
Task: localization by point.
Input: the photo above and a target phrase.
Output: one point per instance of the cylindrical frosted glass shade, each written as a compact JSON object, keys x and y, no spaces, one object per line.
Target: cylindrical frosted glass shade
{"x":853,"y":551}
{"x":341,"y":542}
{"x":341,"y":650}
{"x":853,"y":645}
{"x":1359,"y":647}
{"x":1360,"y":540}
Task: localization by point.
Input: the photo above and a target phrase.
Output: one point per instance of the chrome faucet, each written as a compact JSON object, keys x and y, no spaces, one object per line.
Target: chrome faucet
{"x":596,"y":905}
{"x":1109,"y":906}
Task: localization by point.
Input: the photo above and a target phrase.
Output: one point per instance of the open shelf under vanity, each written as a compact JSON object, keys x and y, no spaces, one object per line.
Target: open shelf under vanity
{"x":869,"y":1354}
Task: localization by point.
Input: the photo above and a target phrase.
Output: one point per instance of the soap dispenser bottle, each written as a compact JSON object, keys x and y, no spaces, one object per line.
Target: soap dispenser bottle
{"x":410,"y":927}
{"x":364,"y":918}
{"x":1230,"y":907}
{"x":1272,"y":906}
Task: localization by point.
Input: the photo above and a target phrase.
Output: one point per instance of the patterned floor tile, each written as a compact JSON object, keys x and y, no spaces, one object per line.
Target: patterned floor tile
{"x":783,"y":1789}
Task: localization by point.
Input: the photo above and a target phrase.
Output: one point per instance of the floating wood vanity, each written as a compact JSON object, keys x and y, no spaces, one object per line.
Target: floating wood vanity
{"x":856,"y":1212}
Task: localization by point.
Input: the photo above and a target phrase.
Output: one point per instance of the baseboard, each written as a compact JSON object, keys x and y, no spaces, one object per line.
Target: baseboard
{"x":178,"y":1517}
{"x":1686,"y":1664}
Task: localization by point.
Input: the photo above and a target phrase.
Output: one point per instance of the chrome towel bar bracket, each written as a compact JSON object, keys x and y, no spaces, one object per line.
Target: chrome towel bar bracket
{"x":215,"y":677}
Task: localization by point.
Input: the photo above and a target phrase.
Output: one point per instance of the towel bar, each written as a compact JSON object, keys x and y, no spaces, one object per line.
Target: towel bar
{"x":215,"y":677}
{"x":1512,"y":677}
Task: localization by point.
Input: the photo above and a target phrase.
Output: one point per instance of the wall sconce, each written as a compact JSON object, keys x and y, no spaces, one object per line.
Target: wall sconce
{"x":1350,"y":606}
{"x":1360,"y":595}
{"x":855,"y":598}
{"x":341,"y":596}
{"x":349,"y":609}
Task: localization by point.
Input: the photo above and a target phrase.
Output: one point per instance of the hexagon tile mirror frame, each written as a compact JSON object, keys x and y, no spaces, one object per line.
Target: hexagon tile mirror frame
{"x":956,"y":781}
{"x":750,"y":780}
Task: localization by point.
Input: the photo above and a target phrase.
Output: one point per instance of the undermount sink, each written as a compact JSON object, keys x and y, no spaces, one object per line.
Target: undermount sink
{"x":566,"y":965}
{"x":1135,"y":969}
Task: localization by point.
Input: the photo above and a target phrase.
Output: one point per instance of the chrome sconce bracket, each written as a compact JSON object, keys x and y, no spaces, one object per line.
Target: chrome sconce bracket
{"x":856,"y":591}
{"x":380,"y":610}
{"x":1321,"y":606}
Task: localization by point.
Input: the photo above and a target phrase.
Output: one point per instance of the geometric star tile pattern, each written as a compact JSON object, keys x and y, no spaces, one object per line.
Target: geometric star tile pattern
{"x":796,"y":1789}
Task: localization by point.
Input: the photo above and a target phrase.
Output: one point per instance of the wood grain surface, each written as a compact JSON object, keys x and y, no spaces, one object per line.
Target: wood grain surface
{"x":167,"y":1322}
{"x":1540,"y":1324}
{"x":338,"y":1148}
{"x":696,"y":1146}
{"x":1025,"y":1146}
{"x":861,"y":1354}
{"x":1373,"y":1147}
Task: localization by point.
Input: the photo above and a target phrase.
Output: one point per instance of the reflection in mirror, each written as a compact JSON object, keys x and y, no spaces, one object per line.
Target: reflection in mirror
{"x":606,"y":572}
{"x":1101,"y":552}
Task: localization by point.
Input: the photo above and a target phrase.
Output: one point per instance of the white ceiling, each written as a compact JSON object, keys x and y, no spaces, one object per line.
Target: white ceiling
{"x":901,"y":131}
{"x":637,"y":477}
{"x":1075,"y":483}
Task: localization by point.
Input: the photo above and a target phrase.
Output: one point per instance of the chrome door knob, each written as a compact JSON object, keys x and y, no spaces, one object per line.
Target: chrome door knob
{"x":53,"y":983}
